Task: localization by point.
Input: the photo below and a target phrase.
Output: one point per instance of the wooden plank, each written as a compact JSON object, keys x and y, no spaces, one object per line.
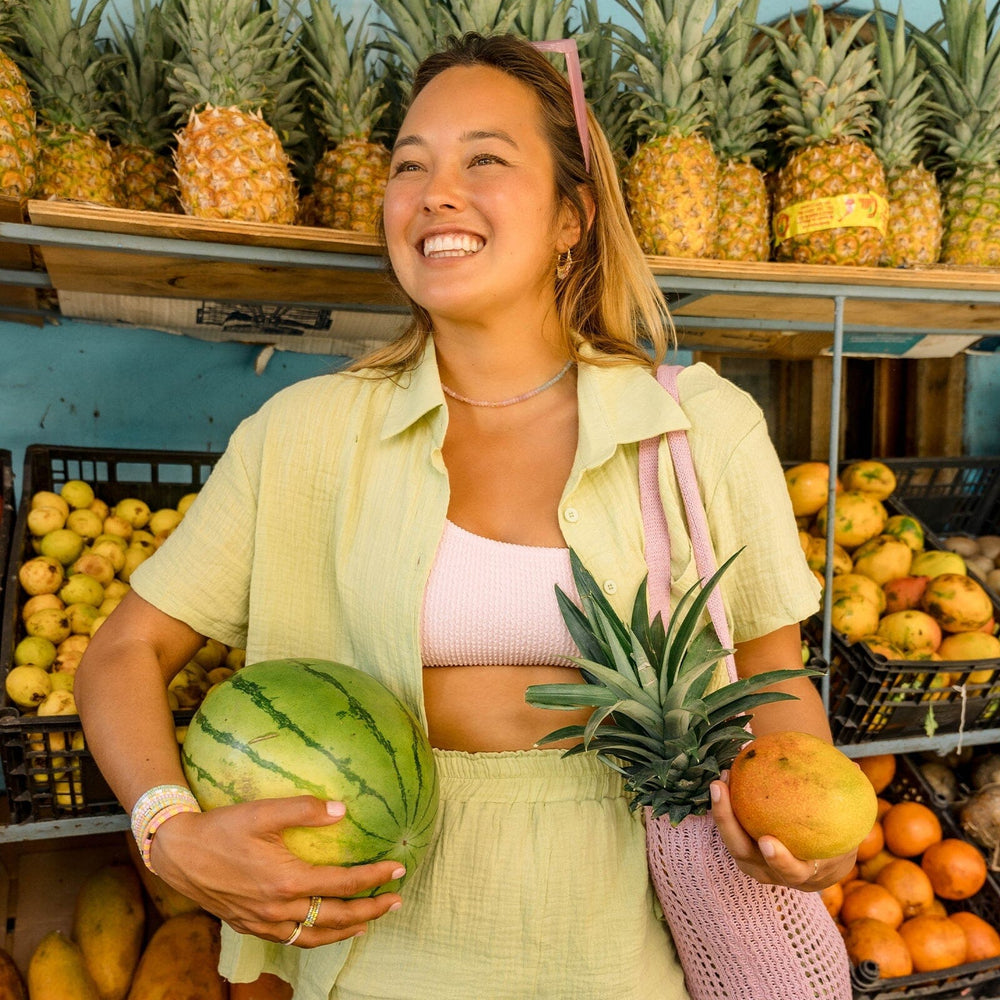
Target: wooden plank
{"x":820,"y":412}
{"x":936,"y":410}
{"x":901,"y":314}
{"x":116,"y":273}
{"x":97,"y":218}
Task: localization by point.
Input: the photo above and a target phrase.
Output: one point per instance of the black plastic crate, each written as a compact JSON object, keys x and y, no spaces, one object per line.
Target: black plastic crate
{"x":950,"y":495}
{"x":960,"y":980}
{"x":48,"y":771}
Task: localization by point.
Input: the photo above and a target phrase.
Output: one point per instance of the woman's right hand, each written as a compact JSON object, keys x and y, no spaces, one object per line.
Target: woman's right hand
{"x":234,"y":862}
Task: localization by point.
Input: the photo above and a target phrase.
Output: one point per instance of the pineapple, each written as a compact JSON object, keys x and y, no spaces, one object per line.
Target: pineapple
{"x":416,"y":28}
{"x":901,"y":113}
{"x":672,"y":180}
{"x":18,"y":141}
{"x":349,"y":179}
{"x":65,"y":67}
{"x":823,"y":104}
{"x":144,"y":128}
{"x":963,"y":78}
{"x":738,"y":96}
{"x":655,"y":721}
{"x":233,"y":77}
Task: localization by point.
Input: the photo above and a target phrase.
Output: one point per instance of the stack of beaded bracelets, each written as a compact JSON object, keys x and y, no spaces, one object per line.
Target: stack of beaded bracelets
{"x":154,"y":808}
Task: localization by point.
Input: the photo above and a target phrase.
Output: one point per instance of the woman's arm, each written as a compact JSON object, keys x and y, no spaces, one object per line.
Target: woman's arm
{"x":232,"y":860}
{"x":779,"y":649}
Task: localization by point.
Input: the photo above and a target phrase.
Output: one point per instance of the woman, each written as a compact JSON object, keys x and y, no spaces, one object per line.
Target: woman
{"x":411,"y":517}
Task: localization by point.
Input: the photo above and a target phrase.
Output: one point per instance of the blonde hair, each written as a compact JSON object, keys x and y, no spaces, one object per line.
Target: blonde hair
{"x":609,"y":299}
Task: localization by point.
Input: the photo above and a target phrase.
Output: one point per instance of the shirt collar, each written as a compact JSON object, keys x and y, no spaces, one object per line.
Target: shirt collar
{"x":619,"y":404}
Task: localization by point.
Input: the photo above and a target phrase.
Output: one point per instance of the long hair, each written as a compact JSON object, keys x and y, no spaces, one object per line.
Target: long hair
{"x":609,"y":299}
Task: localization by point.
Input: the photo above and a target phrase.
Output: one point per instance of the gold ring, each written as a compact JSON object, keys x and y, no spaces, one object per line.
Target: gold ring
{"x":315,"y":902}
{"x":815,"y":868}
{"x":294,"y":936}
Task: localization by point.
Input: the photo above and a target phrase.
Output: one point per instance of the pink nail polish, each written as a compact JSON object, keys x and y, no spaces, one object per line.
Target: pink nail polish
{"x":399,"y":872}
{"x":713,"y":790}
{"x":336,"y":809}
{"x":394,"y":907}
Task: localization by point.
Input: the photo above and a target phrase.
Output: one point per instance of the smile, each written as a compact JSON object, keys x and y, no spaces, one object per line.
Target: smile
{"x":452,"y":245}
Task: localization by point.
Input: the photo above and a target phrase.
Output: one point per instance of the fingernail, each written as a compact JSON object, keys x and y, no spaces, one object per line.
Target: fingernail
{"x":336,"y":809}
{"x":767,"y":849}
{"x":358,"y":934}
{"x":399,"y":872}
{"x":394,"y":907}
{"x":713,"y":790}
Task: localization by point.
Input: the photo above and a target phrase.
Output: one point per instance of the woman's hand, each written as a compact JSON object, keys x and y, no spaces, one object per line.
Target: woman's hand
{"x":234,"y":863}
{"x":768,"y":860}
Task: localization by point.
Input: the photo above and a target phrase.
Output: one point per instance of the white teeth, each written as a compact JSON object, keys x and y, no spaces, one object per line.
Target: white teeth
{"x":452,"y":245}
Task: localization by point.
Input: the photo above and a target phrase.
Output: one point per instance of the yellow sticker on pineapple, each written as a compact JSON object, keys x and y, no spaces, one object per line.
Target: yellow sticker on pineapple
{"x":857,"y":209}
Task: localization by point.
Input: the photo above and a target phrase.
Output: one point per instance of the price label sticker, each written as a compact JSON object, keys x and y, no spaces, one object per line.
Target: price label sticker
{"x":855,"y":209}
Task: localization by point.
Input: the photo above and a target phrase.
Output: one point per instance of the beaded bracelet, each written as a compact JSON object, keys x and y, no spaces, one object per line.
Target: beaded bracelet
{"x":153,"y":808}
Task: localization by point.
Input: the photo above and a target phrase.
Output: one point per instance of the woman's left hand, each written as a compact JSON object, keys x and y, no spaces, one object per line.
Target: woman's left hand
{"x":768,"y":860}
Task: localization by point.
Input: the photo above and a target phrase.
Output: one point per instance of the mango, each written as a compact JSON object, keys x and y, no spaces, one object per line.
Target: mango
{"x":12,"y":985}
{"x":57,"y":971}
{"x":181,"y":960}
{"x":911,"y":631}
{"x":108,"y":925}
{"x":164,"y":897}
{"x":857,"y":517}
{"x":883,"y":558}
{"x":808,"y":487}
{"x":957,"y":603}
{"x":804,"y":791}
{"x":875,"y":478}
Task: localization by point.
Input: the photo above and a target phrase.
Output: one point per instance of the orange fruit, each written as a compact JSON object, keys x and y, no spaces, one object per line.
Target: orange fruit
{"x":909,"y":883}
{"x":937,"y":909}
{"x":880,"y":769}
{"x":833,"y":898}
{"x":910,"y":828}
{"x":956,"y":868}
{"x":869,"y":869}
{"x":934,"y":942}
{"x":884,"y":805}
{"x":872,"y":844}
{"x":869,"y":940}
{"x":851,"y":884}
{"x":981,"y":938}
{"x":871,"y":900}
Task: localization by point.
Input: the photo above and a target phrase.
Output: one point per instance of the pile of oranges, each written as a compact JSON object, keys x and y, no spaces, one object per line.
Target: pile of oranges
{"x":901,"y":906}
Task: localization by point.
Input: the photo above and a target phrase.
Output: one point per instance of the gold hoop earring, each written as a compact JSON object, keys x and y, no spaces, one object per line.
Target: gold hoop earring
{"x":564,"y":264}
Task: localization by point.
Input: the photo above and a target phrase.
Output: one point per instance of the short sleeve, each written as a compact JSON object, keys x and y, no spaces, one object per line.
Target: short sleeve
{"x":201,"y":573}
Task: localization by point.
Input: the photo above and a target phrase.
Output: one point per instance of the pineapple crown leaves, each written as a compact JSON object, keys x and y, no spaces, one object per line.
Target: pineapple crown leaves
{"x":232,"y":54}
{"x":138,"y":90}
{"x":667,"y":69}
{"x":655,"y":720}
{"x":964,"y":78}
{"x":545,"y":20}
{"x":901,"y":111}
{"x":737,"y":90}
{"x":415,"y":28}
{"x":602,"y":64}
{"x":65,"y":63}
{"x":823,"y":93}
{"x":344,"y":96}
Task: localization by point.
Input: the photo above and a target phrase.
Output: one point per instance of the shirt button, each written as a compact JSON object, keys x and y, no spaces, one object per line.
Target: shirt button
{"x":571,"y":514}
{"x":610,"y":587}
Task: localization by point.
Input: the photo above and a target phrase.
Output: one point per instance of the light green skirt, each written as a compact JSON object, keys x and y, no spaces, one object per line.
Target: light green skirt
{"x":535,"y":888}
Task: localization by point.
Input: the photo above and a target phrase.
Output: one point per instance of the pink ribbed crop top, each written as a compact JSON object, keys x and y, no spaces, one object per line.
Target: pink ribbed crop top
{"x":491,"y":603}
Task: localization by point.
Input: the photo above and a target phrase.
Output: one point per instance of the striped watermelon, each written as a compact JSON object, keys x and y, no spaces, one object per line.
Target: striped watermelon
{"x":313,"y":727}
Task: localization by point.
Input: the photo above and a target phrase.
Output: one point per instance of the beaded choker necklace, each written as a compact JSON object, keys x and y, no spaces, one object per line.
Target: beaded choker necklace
{"x":514,"y":399}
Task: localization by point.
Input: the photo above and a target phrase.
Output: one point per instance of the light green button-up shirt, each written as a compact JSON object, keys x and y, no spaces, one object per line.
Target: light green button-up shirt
{"x":315,"y":533}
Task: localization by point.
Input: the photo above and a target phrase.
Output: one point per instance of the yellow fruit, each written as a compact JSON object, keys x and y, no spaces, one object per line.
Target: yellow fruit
{"x":42,"y":520}
{"x":800,"y":789}
{"x":27,"y":685}
{"x":934,"y":562}
{"x":41,"y":575}
{"x":181,"y":960}
{"x":816,"y":557}
{"x":857,"y":517}
{"x":969,"y":646}
{"x":906,"y":529}
{"x":49,"y":623}
{"x":57,"y":971}
{"x":46,"y":498}
{"x":875,"y":478}
{"x":63,"y":545}
{"x":81,"y":588}
{"x":77,"y":493}
{"x":108,"y":925}
{"x":911,"y":631}
{"x":854,"y":616}
{"x":957,"y":602}
{"x":808,"y":487}
{"x":36,"y":650}
{"x":883,"y":558}
{"x":85,"y":523}
{"x":864,"y":586}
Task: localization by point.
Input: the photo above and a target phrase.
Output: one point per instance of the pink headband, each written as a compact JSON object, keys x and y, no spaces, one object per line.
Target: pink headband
{"x":567,"y":46}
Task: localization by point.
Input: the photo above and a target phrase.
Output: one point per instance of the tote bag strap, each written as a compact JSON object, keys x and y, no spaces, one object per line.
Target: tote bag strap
{"x":654,"y":522}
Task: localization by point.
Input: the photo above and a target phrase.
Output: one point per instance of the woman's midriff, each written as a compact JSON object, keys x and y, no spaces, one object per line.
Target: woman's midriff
{"x":482,"y":709}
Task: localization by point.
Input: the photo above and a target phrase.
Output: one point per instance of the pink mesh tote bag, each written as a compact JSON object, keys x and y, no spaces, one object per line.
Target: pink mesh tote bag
{"x":736,"y":938}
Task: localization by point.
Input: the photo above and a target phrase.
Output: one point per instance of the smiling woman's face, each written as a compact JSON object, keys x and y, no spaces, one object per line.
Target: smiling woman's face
{"x":472,"y":220}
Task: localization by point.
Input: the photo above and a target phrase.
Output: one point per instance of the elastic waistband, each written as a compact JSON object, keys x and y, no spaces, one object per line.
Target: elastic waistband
{"x":524,"y":776}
